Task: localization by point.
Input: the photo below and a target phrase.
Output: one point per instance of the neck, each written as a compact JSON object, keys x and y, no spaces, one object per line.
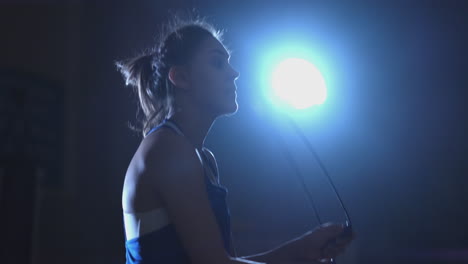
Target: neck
{"x":194,"y":124}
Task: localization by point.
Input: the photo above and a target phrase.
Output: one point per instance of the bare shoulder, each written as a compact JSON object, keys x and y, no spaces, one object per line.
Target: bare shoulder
{"x":159,"y":155}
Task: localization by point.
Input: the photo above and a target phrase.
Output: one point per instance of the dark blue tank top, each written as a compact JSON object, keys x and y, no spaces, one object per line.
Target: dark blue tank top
{"x":163,"y":246}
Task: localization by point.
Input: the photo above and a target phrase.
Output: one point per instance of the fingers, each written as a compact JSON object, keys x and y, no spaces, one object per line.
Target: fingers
{"x":336,"y":228}
{"x":335,"y":231}
{"x":325,"y":260}
{"x":339,"y":242}
{"x":325,"y":232}
{"x":318,"y":261}
{"x":332,"y":227}
{"x":333,"y":252}
{"x":344,"y":240}
{"x":328,"y":240}
{"x":335,"y":249}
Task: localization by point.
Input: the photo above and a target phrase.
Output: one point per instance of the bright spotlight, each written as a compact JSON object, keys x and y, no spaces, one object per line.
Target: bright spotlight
{"x":298,"y":83}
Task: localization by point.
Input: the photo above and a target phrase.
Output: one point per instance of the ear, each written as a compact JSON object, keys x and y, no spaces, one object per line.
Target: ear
{"x":178,"y":76}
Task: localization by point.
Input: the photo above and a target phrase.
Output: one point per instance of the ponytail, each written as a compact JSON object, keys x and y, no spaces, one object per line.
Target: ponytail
{"x":139,"y":72}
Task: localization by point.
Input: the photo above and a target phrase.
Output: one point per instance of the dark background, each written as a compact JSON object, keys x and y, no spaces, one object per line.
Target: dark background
{"x":393,"y":134}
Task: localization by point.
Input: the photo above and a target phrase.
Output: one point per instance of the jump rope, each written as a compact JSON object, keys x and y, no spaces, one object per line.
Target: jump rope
{"x":348,"y":230}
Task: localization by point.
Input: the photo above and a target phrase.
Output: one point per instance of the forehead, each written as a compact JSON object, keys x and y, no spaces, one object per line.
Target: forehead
{"x":212,"y":46}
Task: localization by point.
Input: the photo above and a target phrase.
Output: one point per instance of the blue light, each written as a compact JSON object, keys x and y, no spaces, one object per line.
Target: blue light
{"x":294,"y":75}
{"x":298,"y":83}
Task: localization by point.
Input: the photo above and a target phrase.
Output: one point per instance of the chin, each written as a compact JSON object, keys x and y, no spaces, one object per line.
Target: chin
{"x":232,"y":110}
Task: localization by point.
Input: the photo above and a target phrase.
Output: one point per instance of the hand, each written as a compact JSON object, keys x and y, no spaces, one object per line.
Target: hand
{"x":308,"y":247}
{"x":318,"y":261}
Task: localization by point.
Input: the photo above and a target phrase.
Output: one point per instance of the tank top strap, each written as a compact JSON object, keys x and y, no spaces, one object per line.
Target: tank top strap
{"x":168,"y":123}
{"x":210,"y":164}
{"x":200,"y":153}
{"x":174,"y":126}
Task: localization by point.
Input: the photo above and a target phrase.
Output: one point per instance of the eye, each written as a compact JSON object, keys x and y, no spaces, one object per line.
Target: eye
{"x":219,"y":63}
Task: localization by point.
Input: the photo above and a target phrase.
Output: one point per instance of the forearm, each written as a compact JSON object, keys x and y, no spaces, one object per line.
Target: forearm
{"x":241,"y":260}
{"x":264,"y":257}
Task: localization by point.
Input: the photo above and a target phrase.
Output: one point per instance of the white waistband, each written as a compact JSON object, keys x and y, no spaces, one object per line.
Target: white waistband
{"x":138,"y":224}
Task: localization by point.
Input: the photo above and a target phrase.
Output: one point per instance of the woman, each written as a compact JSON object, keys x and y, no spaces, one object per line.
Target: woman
{"x":174,"y":208}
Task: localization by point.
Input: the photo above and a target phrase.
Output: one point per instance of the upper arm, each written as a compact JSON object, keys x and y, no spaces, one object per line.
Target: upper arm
{"x":181,"y":185}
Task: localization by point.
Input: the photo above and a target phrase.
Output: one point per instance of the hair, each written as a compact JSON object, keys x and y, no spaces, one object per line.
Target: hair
{"x":147,"y":72}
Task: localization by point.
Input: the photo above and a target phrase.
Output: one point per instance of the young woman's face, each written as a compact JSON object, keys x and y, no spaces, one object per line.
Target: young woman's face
{"x":213,"y":79}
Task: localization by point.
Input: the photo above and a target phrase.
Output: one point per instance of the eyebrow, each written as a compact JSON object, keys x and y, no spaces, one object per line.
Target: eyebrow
{"x":221,"y":53}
